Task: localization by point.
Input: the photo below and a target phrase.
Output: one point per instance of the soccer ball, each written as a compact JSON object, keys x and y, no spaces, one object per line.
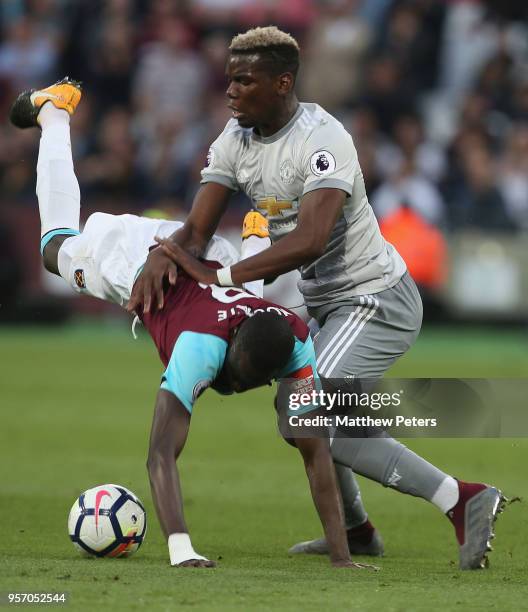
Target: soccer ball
{"x":107,"y":521}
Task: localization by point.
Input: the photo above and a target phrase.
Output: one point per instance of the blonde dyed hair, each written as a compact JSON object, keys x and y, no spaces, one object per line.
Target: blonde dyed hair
{"x":278,"y":51}
{"x":262,"y":37}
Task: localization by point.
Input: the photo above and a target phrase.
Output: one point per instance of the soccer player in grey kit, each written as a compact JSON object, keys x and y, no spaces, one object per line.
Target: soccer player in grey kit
{"x":300,"y":168}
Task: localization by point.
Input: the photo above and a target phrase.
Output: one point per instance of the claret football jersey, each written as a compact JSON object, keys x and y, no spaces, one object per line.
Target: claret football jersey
{"x":192,"y":332}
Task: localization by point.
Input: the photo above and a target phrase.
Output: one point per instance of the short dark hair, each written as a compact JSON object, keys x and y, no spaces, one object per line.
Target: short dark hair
{"x":277,"y":49}
{"x":267,"y":341}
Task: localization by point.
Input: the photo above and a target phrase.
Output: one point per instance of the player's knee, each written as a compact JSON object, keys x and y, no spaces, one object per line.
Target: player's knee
{"x":50,"y":255}
{"x":49,"y":262}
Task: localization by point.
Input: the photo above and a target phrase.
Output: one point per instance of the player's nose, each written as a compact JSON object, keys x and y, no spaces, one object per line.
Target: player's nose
{"x":231,"y":91}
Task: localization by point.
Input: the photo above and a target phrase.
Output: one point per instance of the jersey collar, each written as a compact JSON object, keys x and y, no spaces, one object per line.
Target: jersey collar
{"x":284,"y":129}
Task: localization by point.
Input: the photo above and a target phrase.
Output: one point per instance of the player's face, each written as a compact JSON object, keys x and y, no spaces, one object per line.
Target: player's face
{"x":253,"y":93}
{"x":237,"y":375}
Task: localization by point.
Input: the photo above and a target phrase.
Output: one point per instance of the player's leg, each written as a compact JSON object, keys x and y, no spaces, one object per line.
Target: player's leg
{"x":123,"y":240}
{"x":471,"y":507}
{"x":372,"y":334}
{"x":255,"y":238}
{"x":57,"y":186}
{"x":361,"y":341}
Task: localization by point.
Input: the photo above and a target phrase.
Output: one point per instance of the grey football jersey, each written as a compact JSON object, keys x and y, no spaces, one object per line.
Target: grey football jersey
{"x":313,"y":150}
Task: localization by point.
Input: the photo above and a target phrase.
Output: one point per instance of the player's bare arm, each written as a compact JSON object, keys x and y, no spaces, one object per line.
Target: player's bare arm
{"x":313,"y":444}
{"x":323,"y":486}
{"x":169,"y":431}
{"x":208,"y":207}
{"x":302,"y":245}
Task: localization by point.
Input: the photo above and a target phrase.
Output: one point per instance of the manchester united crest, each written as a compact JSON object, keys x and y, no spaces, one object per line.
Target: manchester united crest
{"x":287,"y":172}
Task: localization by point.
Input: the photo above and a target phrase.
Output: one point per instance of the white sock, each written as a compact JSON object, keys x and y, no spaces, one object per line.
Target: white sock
{"x":446,"y":495}
{"x":50,"y":114}
{"x":252,"y":245}
{"x":57,"y":187}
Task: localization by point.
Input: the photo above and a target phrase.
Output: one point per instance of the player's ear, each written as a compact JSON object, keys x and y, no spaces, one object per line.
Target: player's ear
{"x":285,"y":82}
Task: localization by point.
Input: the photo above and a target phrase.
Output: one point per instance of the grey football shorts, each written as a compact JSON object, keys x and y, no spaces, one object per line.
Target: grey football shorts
{"x":363,"y":336}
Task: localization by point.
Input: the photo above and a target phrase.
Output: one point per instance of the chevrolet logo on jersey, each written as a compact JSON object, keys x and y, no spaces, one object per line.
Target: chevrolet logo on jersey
{"x":273,"y":206}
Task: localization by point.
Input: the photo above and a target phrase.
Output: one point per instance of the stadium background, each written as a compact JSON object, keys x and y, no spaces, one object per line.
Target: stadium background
{"x":435,"y":95}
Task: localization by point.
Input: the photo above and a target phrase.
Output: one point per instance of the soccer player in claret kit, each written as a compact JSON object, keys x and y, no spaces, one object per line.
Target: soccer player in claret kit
{"x":299,"y":167}
{"x":206,"y":336}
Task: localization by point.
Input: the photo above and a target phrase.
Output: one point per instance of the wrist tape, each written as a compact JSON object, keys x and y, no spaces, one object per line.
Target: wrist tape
{"x":224,"y":277}
{"x":180,"y":548}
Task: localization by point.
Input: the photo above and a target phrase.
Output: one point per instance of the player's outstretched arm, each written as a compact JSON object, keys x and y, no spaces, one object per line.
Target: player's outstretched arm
{"x":313,"y":443}
{"x":208,"y":207}
{"x":170,"y":427}
{"x":323,"y":486}
{"x":318,"y":214}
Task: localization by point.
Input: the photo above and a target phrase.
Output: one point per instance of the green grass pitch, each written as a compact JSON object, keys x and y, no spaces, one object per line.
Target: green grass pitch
{"x":76,"y":405}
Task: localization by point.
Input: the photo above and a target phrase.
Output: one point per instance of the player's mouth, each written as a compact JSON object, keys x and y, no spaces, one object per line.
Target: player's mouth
{"x":235,"y":112}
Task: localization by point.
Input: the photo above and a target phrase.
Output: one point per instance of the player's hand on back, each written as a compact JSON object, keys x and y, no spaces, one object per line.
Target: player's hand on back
{"x":148,"y":288}
{"x":194,"y":268}
{"x":196,"y":563}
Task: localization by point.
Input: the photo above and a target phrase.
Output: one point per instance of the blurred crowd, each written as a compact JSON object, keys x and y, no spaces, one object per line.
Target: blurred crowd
{"x":435,"y":94}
